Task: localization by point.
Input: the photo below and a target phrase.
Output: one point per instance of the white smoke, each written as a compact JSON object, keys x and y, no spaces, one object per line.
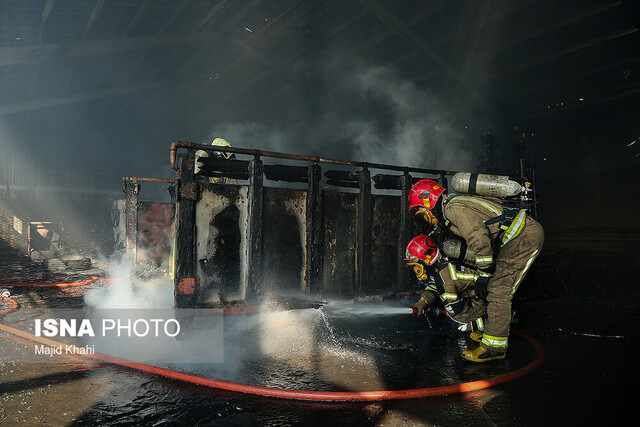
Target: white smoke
{"x":129,"y":290}
{"x":365,"y":113}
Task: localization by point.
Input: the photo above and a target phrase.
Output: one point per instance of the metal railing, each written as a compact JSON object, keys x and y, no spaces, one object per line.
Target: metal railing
{"x":312,"y":159}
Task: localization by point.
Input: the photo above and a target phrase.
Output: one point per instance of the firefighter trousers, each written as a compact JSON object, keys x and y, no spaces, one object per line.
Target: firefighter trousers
{"x":513,"y":262}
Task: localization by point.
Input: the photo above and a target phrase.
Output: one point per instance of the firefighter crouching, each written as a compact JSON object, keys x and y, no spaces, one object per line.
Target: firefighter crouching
{"x":505,"y":241}
{"x":452,"y":283}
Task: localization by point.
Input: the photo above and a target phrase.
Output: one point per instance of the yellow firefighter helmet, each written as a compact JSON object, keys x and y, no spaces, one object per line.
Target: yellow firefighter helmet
{"x":221,"y":142}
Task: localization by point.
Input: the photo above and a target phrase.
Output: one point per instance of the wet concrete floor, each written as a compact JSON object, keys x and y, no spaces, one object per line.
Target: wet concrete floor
{"x":586,"y":379}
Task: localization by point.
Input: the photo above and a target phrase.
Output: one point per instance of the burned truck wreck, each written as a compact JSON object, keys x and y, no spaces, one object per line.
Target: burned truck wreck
{"x":283,"y":223}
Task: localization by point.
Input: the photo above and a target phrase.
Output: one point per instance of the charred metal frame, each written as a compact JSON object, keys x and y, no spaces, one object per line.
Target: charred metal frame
{"x":363,"y":232}
{"x":187,"y":283}
{"x":256,"y":219}
{"x":405,"y":226}
{"x":131,"y":189}
{"x":313,"y":267}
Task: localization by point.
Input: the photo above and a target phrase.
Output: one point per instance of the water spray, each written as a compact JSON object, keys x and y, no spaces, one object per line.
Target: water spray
{"x":337,"y":396}
{"x":367,"y":309}
{"x":295,"y":303}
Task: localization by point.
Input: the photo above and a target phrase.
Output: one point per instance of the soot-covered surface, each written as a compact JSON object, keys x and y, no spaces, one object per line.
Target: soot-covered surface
{"x":345,"y":346}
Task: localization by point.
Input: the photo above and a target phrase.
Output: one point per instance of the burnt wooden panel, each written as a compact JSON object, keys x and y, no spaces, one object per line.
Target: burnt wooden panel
{"x":339,"y":212}
{"x":284,"y":222}
{"x":384,"y":244}
{"x":221,"y":267}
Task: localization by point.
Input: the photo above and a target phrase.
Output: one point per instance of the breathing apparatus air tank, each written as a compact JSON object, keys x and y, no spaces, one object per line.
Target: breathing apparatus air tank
{"x":456,"y":249}
{"x":486,"y":185}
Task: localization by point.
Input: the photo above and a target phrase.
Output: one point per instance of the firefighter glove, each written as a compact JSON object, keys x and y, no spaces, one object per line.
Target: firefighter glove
{"x":481,"y":287}
{"x":418,"y":309}
{"x":454,"y":307}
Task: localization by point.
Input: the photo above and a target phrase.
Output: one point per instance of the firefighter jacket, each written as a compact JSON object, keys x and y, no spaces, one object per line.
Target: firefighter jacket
{"x":453,"y":285}
{"x":476,"y":219}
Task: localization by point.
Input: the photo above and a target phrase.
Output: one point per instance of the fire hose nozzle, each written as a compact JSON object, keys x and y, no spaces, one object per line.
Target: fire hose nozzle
{"x":433,"y":311}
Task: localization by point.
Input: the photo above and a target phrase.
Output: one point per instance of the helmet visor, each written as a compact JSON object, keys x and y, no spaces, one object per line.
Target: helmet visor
{"x":409,"y":257}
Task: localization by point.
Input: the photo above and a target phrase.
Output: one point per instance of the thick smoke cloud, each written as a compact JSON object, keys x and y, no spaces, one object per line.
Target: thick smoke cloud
{"x":361,"y":112}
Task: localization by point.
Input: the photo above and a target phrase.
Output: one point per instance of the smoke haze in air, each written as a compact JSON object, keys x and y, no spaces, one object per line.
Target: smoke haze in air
{"x":365,"y":113}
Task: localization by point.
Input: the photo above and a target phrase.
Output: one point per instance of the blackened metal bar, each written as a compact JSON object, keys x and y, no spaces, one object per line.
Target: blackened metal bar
{"x":405,"y":229}
{"x":313,"y":265}
{"x":179,"y":144}
{"x":131,"y":189}
{"x":217,"y":164}
{"x":387,"y":182}
{"x":341,"y":175}
{"x":255,"y":234}
{"x":143,"y":179}
{"x":287,"y":173}
{"x":363,"y":232}
{"x":185,"y":266}
{"x":346,"y":184}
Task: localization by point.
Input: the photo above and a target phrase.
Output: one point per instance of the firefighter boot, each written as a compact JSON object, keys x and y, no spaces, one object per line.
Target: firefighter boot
{"x":476,"y":336}
{"x":481,"y":354}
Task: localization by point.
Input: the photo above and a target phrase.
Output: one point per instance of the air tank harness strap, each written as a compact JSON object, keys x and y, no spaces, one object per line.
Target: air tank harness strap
{"x":439,"y":282}
{"x":449,"y":197}
{"x":511,"y":222}
{"x":463,"y":251}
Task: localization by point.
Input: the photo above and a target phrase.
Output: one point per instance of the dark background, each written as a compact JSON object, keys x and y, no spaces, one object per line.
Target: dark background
{"x":94,"y":90}
{"x":91,"y":91}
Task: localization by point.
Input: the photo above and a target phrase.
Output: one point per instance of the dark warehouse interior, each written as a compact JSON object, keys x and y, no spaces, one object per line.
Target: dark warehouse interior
{"x":92,"y":91}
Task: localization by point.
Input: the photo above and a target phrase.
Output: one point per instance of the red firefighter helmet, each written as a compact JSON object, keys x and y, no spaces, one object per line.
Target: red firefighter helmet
{"x":422,"y":248}
{"x":425,"y":193}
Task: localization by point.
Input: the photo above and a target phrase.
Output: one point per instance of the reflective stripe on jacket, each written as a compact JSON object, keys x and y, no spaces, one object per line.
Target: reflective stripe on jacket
{"x":466,"y":216}
{"x":454,"y":282}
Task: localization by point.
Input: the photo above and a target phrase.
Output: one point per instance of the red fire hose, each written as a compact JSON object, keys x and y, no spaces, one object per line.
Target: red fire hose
{"x":84,"y":282}
{"x":14,"y":305}
{"x":298,"y":394}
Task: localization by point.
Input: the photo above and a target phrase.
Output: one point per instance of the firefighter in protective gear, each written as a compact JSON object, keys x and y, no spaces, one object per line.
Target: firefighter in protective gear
{"x":505,"y":241}
{"x":218,"y":142}
{"x":452,"y":284}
